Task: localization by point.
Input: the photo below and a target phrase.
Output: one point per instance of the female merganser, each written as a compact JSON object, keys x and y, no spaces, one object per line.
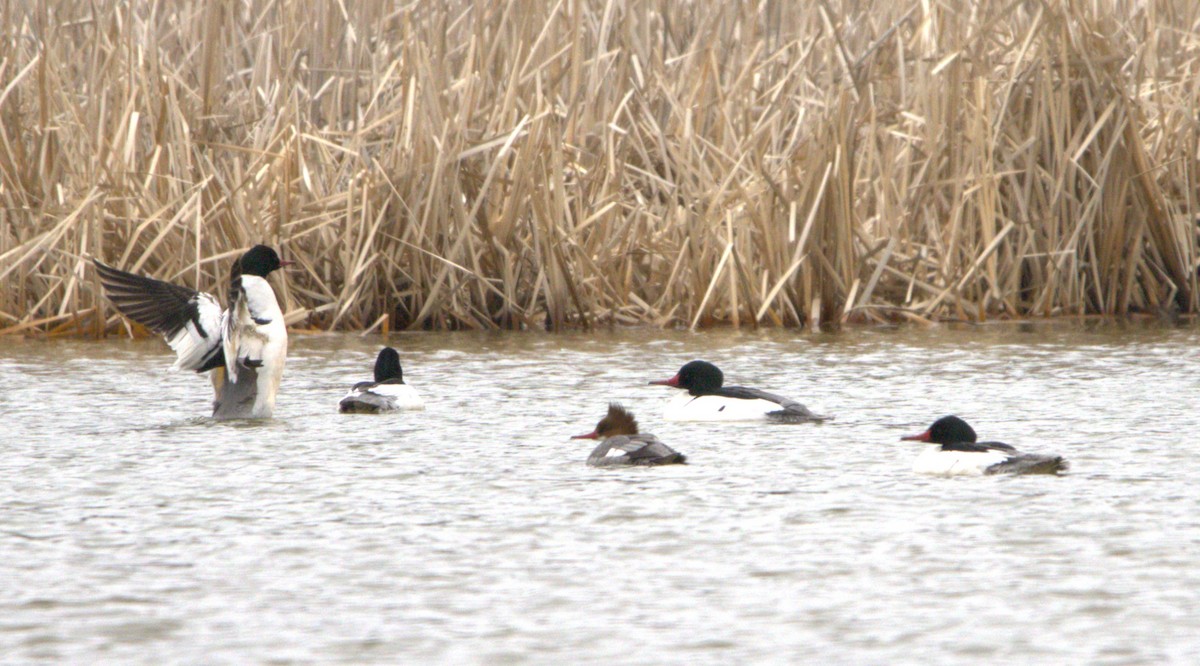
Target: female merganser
{"x":388,"y":393}
{"x":707,"y":400}
{"x":959,"y":453}
{"x":622,"y":445}
{"x":246,"y":345}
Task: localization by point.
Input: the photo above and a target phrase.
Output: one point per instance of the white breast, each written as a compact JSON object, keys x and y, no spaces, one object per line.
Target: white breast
{"x":260,"y":298}
{"x":686,"y":407}
{"x":933,"y":460}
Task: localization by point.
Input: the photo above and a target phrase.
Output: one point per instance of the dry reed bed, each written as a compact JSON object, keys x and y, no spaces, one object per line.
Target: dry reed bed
{"x":565,"y":163}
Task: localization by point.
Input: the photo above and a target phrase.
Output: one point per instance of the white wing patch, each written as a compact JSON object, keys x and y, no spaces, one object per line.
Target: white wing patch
{"x":192,"y":347}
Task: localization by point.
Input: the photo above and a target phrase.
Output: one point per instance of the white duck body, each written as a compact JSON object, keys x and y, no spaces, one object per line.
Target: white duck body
{"x":933,"y":460}
{"x":687,"y":407}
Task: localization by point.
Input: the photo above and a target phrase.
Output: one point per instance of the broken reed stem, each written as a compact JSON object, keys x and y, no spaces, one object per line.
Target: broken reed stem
{"x":472,"y":165}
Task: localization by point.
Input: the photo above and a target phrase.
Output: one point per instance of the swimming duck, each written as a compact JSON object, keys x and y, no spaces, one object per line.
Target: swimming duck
{"x":621,"y":444}
{"x":707,"y":399}
{"x":388,"y":393}
{"x":245,"y":346}
{"x":960,"y":454}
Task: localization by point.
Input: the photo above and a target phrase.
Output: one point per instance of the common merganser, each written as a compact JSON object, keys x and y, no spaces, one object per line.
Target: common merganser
{"x":960,"y":454}
{"x":245,"y":346}
{"x":388,"y":393}
{"x":708,"y":400}
{"x":621,"y":444}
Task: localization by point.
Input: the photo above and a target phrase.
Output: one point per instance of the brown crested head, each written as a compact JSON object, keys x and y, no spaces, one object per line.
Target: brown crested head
{"x":618,"y":421}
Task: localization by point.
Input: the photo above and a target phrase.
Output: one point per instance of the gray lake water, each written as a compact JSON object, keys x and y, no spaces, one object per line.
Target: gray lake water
{"x":135,"y":530}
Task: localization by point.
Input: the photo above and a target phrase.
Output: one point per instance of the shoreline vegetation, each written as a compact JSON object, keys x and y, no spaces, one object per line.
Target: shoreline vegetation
{"x":476,"y":165}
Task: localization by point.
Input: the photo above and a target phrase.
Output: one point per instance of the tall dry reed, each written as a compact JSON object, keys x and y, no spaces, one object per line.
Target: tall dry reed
{"x":575,"y":162}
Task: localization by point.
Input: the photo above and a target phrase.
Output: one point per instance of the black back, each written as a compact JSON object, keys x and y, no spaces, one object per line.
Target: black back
{"x":979,"y":447}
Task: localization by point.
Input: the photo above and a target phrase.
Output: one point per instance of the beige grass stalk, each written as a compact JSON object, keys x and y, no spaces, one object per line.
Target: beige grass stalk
{"x":568,"y":163}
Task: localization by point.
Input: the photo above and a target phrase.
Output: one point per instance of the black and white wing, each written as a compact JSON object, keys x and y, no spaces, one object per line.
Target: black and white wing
{"x":189,"y":320}
{"x":612,"y":451}
{"x":628,"y":443}
{"x":362,"y":399}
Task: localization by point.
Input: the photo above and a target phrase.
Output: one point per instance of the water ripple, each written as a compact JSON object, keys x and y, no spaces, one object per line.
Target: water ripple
{"x":137,"y":530}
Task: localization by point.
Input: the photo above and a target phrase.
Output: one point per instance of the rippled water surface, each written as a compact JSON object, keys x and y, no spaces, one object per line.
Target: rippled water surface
{"x":134,"y":529}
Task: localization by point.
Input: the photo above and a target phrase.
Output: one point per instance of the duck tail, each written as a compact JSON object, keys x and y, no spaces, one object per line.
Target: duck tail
{"x":674,"y":458}
{"x":1030,"y":464}
{"x":794,"y":416}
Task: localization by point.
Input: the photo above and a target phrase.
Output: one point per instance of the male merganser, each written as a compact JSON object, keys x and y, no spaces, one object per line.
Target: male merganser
{"x":960,"y":454}
{"x":707,"y":400}
{"x":246,"y":345}
{"x":388,"y":393}
{"x":622,"y":445}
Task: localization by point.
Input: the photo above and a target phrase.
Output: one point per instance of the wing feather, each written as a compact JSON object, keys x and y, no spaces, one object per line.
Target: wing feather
{"x":253,"y":314}
{"x":189,"y":320}
{"x":649,"y":448}
{"x":231,"y":330}
{"x":362,"y":400}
